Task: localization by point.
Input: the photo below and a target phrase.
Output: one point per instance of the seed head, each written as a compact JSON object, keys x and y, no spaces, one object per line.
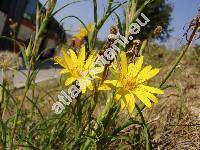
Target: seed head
{"x":10,"y":60}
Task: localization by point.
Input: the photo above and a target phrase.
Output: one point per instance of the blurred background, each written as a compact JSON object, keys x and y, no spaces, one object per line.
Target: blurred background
{"x":18,"y":22}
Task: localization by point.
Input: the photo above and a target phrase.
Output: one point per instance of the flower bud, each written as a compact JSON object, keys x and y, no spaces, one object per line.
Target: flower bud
{"x":51,"y":6}
{"x":158,"y":30}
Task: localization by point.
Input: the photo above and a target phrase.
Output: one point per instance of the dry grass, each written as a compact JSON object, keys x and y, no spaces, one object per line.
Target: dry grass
{"x":175,"y":121}
{"x":176,"y":118}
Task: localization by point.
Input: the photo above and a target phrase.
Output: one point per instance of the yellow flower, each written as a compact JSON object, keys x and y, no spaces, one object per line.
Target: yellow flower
{"x":83,"y":32}
{"x":77,"y":68}
{"x":130,"y":83}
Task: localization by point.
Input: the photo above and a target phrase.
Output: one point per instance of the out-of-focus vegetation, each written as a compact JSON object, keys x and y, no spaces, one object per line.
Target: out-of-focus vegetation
{"x":159,"y":12}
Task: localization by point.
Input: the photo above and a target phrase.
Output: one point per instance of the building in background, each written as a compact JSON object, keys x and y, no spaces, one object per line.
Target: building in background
{"x":17,"y":20}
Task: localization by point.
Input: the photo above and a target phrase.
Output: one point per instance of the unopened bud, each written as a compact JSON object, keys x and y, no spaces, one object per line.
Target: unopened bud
{"x":158,"y":30}
{"x":29,"y":50}
{"x":113,"y":30}
{"x":112,"y":36}
{"x":136,"y":42}
{"x":143,"y":46}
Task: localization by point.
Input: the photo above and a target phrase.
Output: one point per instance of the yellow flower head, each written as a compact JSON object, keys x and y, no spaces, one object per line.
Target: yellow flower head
{"x":83,"y":32}
{"x":77,"y":68}
{"x":130,"y":83}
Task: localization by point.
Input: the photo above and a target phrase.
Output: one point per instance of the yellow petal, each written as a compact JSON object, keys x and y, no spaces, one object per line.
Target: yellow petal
{"x":97,"y":78}
{"x":123,"y":63}
{"x":123,"y":104}
{"x":68,"y":60}
{"x":152,"y":97}
{"x":133,"y":69}
{"x":60,"y":61}
{"x":78,"y":36}
{"x":150,"y":74}
{"x":128,"y":97}
{"x":73,"y":56}
{"x":91,"y":87}
{"x":151,"y":89}
{"x":104,"y":87}
{"x":95,"y":71}
{"x":113,"y":83}
{"x":120,"y":93}
{"x":81,"y":56}
{"x":64,"y":71}
{"x":83,"y":89}
{"x":84,"y":83}
{"x":83,"y":32}
{"x":144,"y":72}
{"x":131,"y":102}
{"x":109,"y":85}
{"x":90,"y":61}
{"x":70,"y":81}
{"x":131,"y":106}
{"x":141,"y":95}
{"x":90,"y":27}
{"x":118,"y":96}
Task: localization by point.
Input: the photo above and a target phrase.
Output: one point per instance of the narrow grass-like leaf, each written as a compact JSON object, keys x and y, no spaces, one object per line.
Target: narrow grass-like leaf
{"x":120,"y":26}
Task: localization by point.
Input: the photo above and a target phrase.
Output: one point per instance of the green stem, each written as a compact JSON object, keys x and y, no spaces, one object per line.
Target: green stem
{"x":5,"y":94}
{"x":174,"y":66}
{"x":95,"y":11}
{"x":181,"y":102}
{"x":102,"y":119}
{"x":146,"y":130}
{"x":2,"y":125}
{"x":20,"y":107}
{"x":109,"y":11}
{"x":2,"y":91}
